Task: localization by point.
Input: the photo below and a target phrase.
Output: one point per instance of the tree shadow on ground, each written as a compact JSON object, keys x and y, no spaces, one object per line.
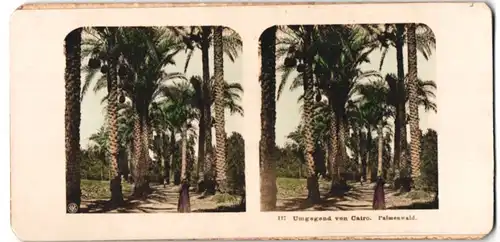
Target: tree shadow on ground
{"x":129,"y":205}
{"x":330,"y":201}
{"x":104,"y":206}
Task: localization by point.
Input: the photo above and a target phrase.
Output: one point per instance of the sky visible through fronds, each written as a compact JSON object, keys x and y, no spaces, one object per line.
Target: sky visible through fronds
{"x":288,"y":111}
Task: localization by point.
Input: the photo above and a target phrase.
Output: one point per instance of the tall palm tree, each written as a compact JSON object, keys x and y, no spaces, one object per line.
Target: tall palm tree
{"x":268,"y":189}
{"x":144,"y":53}
{"x":395,"y":35}
{"x":232,"y":96}
{"x":219,"y":111}
{"x":312,"y":179}
{"x":115,"y":183}
{"x":196,"y":37}
{"x":413,"y":118}
{"x":72,"y":46}
{"x":425,"y":93}
{"x":400,"y":148}
{"x":105,"y":49}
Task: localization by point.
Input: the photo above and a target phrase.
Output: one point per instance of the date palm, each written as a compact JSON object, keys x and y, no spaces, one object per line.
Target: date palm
{"x":201,"y":37}
{"x":220,"y":132}
{"x":177,"y":112}
{"x":267,"y":145}
{"x":377,"y":111}
{"x":425,"y":94}
{"x":144,"y":52}
{"x":72,"y":47}
{"x":415,"y":133}
{"x":104,"y":51}
{"x":335,"y":78}
{"x":312,"y":179}
{"x":395,"y":35}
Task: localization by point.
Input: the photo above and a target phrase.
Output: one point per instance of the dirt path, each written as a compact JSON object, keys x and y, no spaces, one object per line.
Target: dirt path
{"x":359,"y":197}
{"x":162,"y":200}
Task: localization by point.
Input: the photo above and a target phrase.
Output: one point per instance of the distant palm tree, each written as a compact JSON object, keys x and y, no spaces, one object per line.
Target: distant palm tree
{"x":72,"y":47}
{"x":377,"y":111}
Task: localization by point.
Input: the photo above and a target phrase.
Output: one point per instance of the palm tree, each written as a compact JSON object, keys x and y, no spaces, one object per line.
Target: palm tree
{"x":72,"y":44}
{"x":400,"y":147}
{"x":144,"y":53}
{"x":232,"y":96}
{"x":335,"y":77}
{"x":425,"y":93}
{"x":104,"y":48}
{"x":312,"y":179}
{"x":219,"y":111}
{"x":178,"y":111}
{"x":268,"y":189}
{"x":425,"y":43}
{"x":377,"y":111}
{"x":108,"y":40}
{"x":196,"y":37}
{"x":299,"y":48}
{"x":413,"y":118}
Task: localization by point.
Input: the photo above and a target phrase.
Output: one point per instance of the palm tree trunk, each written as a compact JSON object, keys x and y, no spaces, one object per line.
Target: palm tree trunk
{"x":380,"y":149}
{"x":184,"y":204}
{"x":202,"y":126}
{"x":326,"y":149}
{"x":130,"y":158}
{"x":209,"y":154}
{"x":172,"y":153}
{"x":268,"y":189}
{"x":360,"y":153}
{"x":146,"y":133}
{"x":333,"y":147}
{"x":220,"y":134}
{"x":312,"y":179}
{"x":368,"y":172}
{"x":72,"y":45}
{"x":400,"y":147}
{"x":184,"y":165}
{"x":166,"y":167}
{"x":115,"y":183}
{"x":137,"y":151}
{"x":343,"y":133}
{"x":414,"y":118}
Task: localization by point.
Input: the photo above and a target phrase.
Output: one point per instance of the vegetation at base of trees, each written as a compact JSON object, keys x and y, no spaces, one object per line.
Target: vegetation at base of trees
{"x":95,"y":170}
{"x":290,"y":163}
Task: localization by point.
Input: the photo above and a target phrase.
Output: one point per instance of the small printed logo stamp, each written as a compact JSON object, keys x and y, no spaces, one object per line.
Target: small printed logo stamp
{"x":72,"y":208}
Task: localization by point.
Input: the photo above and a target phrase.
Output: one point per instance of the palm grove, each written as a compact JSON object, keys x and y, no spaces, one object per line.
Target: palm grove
{"x":149,"y":108}
{"x":350,"y":117}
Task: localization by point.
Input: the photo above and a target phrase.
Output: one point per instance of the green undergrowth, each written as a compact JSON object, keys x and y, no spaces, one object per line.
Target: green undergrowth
{"x":96,"y":189}
{"x":223,"y":198}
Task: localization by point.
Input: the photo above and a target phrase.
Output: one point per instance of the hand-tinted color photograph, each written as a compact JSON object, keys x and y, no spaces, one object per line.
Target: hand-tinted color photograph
{"x":348,"y":117}
{"x":152,"y":118}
